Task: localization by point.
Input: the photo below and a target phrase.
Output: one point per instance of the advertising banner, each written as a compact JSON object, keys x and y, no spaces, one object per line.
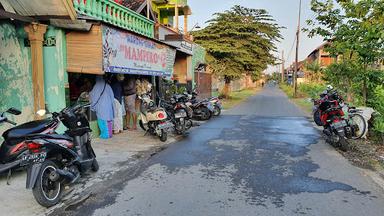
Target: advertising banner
{"x":128,"y":53}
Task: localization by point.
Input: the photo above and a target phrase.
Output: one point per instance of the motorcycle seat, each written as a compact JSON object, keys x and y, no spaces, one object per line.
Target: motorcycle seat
{"x":56,"y":136}
{"x":32,"y":127}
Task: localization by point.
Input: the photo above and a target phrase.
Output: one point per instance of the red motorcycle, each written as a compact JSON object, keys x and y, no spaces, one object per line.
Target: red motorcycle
{"x":340,"y":122}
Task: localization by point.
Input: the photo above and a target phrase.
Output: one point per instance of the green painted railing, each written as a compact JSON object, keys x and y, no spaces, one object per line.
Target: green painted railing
{"x":115,"y":14}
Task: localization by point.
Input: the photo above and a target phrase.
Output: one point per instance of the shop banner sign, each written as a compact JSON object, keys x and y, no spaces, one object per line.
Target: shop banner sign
{"x":127,"y":53}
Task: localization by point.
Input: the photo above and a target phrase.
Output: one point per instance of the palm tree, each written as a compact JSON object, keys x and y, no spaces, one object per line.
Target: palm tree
{"x":315,"y":69}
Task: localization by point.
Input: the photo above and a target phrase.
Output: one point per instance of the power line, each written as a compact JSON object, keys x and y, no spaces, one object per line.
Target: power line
{"x":291,"y":50}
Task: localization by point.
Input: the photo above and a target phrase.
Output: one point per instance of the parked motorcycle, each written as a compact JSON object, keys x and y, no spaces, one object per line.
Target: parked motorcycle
{"x":56,"y":160}
{"x":14,"y":146}
{"x":217,"y":106}
{"x":340,"y":122}
{"x":202,"y":109}
{"x":178,"y":113}
{"x":153,"y":119}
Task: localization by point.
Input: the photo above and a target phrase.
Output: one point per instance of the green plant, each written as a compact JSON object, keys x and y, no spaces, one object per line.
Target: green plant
{"x":315,"y":69}
{"x":287,"y":89}
{"x":311,"y":90}
{"x":378,"y":104}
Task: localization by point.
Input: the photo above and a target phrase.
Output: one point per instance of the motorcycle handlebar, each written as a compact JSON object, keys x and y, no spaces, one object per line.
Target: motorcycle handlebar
{"x":5,"y":119}
{"x":10,"y":122}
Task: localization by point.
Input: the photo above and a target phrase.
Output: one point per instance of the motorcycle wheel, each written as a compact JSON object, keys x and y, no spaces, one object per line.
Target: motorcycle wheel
{"x":141,"y":124}
{"x":359,"y":123}
{"x":180,"y":128}
{"x":163,"y":136}
{"x":216,"y":111}
{"x":188,"y":124}
{"x":343,"y":144}
{"x":95,"y":165}
{"x":47,"y":192}
{"x":205,"y":114}
{"x":316,"y":118}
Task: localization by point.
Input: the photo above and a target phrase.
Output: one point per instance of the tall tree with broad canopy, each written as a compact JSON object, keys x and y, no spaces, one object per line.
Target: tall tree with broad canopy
{"x":356,"y":29}
{"x":239,"y":41}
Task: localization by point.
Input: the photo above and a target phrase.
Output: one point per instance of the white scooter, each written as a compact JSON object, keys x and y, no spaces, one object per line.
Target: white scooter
{"x":153,"y":119}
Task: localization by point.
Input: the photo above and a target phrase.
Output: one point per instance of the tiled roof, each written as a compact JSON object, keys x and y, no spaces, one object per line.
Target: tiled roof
{"x":133,"y":4}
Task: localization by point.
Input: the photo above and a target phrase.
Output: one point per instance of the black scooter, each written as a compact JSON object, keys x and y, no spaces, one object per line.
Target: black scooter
{"x":14,"y":146}
{"x":202,"y":109}
{"x":56,"y":160}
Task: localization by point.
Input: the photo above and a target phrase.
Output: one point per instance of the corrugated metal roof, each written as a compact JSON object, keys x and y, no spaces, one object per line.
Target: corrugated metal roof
{"x":133,"y":4}
{"x":54,"y":8}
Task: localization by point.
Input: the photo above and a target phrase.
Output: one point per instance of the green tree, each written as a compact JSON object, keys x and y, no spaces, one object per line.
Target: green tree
{"x":239,"y":41}
{"x":355,"y":29}
{"x":342,"y":75}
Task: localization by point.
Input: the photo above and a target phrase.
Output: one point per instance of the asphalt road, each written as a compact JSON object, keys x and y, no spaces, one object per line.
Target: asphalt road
{"x":263,"y":157}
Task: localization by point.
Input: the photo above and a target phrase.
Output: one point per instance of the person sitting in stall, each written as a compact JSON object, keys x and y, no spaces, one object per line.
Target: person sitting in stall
{"x":102,"y":102}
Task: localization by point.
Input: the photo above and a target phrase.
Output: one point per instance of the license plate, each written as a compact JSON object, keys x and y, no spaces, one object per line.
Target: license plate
{"x":165,"y":126}
{"x":35,"y":158}
{"x":180,"y":115}
{"x":339,"y":124}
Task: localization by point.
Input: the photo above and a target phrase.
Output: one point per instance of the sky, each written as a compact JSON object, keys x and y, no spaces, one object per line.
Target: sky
{"x":285,"y":12}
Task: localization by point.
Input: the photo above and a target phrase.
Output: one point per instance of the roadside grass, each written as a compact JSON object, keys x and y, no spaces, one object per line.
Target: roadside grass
{"x":237,"y":97}
{"x":303,"y":103}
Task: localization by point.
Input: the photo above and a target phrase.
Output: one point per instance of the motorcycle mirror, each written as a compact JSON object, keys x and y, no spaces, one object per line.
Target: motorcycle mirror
{"x":41,"y":112}
{"x":84,"y":96}
{"x":14,"y":111}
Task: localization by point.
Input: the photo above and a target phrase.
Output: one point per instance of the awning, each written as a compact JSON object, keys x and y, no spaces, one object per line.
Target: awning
{"x":180,"y":42}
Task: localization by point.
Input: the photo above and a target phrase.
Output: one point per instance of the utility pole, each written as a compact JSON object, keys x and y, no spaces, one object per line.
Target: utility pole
{"x":282,"y":66}
{"x":148,"y":8}
{"x":297,"y":54}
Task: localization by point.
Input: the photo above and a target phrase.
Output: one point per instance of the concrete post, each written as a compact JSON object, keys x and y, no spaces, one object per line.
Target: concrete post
{"x":176,"y":16}
{"x":185,"y":24}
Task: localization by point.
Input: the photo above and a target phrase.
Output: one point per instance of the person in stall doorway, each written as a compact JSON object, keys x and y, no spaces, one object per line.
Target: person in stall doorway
{"x":102,"y":102}
{"x":117,"y":87}
{"x":129,"y":91}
